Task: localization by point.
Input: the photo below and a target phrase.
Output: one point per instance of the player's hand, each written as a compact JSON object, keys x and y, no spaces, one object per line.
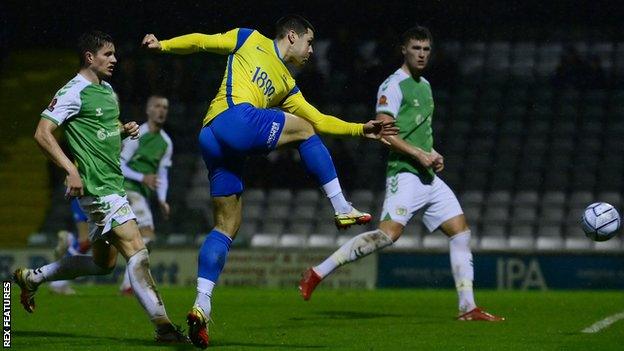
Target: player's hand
{"x":376,"y":129}
{"x":150,"y":42}
{"x":74,"y":185}
{"x":131,"y":129}
{"x":151,"y":180}
{"x":424,"y":158}
{"x":438,"y":161}
{"x":165,"y":209}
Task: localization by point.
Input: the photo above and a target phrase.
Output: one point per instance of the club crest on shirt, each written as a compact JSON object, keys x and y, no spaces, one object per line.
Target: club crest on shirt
{"x":383,"y":101}
{"x":51,"y":105}
{"x":401,"y":211}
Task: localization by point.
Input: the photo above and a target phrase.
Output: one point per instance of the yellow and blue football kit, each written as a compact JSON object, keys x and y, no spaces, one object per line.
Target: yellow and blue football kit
{"x":244,"y":117}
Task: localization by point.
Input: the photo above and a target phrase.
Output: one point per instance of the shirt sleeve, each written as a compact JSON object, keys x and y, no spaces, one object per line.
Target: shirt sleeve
{"x":296,"y":104}
{"x":63,"y":106}
{"x":389,"y":99}
{"x":129,"y":147}
{"x":222,"y":43}
{"x":163,"y":173}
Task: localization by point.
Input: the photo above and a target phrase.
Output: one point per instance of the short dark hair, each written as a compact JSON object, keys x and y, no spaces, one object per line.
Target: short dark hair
{"x":418,"y":33}
{"x":292,"y":22}
{"x":91,"y":41}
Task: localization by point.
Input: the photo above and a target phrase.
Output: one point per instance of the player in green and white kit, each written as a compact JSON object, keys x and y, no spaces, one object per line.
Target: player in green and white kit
{"x":88,"y":109}
{"x":412,"y":184}
{"x":145,"y":164}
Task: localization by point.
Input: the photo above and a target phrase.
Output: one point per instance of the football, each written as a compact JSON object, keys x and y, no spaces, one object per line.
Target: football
{"x":600,"y":221}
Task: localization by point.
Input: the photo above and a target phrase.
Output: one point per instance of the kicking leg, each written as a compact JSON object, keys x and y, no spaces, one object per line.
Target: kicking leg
{"x":318,"y":163}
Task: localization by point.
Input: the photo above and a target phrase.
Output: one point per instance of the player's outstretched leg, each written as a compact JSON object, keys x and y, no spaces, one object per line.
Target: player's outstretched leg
{"x":357,"y":247}
{"x":318,"y":163}
{"x":67,"y":268}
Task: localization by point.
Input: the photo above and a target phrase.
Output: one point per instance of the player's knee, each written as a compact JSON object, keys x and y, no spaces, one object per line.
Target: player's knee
{"x":455,"y":226}
{"x":394,"y":234}
{"x":392,"y":230}
{"x":299,"y":129}
{"x":307,"y":131}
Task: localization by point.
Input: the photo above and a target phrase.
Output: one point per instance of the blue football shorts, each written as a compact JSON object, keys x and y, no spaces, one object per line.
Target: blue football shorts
{"x":234,"y":134}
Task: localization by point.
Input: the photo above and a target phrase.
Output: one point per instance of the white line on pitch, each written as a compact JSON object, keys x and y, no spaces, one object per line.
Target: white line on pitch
{"x":603,"y":323}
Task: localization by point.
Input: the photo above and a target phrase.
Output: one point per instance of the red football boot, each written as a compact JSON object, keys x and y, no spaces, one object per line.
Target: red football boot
{"x":477,"y":314}
{"x":308,"y":282}
{"x":198,"y":327}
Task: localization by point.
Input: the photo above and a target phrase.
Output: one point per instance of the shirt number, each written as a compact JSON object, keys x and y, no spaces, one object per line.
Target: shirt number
{"x":261,"y":78}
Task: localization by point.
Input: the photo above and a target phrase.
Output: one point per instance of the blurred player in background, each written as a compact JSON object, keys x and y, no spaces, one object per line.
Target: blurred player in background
{"x":242,"y":120}
{"x":145,"y":165}
{"x":412,"y":184}
{"x":71,"y":244}
{"x":88,"y":108}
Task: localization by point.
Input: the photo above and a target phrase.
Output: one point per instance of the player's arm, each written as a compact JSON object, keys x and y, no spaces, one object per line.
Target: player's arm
{"x":51,"y":148}
{"x":326,"y":124}
{"x":128,"y":149}
{"x":396,"y":143}
{"x":222,"y":43}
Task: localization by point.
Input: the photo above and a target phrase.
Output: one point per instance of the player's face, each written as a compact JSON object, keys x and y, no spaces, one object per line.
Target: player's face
{"x":157,"y":109}
{"x":302,"y":47}
{"x":416,"y":54}
{"x":103,"y":61}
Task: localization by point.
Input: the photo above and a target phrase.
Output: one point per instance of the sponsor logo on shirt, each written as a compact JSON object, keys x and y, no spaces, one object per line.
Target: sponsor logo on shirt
{"x":383,"y":101}
{"x":102,"y":133}
{"x":98,"y":112}
{"x":261,"y":49}
{"x":273,"y":133}
{"x":51,"y":105}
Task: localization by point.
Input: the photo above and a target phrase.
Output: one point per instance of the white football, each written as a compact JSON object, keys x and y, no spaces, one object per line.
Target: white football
{"x":600,"y":221}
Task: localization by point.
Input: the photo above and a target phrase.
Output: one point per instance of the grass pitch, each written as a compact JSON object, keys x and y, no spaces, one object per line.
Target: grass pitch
{"x":260,"y":319}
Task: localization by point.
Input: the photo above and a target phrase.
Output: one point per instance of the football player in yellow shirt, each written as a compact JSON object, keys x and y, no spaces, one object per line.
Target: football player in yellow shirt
{"x":259,"y":108}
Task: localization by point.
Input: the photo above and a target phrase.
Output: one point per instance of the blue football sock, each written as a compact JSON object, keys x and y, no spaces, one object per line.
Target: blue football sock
{"x":212,"y":255}
{"x":317,"y":160}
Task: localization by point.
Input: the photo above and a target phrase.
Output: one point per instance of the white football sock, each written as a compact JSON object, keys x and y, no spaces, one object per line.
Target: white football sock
{"x":125,"y":284}
{"x":144,"y":288}
{"x":68,"y":267}
{"x":357,"y":247}
{"x":204,"y":294}
{"x":334,"y":192}
{"x":463,"y":271}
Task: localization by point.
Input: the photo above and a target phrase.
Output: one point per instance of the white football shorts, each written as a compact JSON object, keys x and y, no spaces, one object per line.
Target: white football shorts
{"x":406,"y":194}
{"x":105,"y":213}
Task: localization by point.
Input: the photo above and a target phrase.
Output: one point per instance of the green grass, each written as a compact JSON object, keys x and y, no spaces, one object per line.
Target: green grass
{"x":258,"y":319}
